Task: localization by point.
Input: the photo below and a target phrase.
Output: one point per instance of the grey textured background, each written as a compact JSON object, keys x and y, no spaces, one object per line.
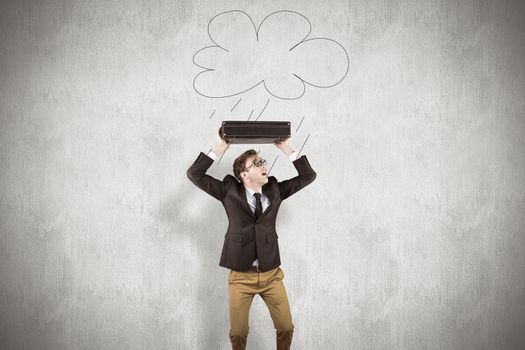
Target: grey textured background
{"x":411,"y":237}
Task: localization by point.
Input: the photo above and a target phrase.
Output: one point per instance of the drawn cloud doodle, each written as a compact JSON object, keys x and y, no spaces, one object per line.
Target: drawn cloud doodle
{"x":277,"y":54}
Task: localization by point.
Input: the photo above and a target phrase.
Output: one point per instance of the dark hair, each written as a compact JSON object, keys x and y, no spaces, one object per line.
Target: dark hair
{"x":238,"y":164}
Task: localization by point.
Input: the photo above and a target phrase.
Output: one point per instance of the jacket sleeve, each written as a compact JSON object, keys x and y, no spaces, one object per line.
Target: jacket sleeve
{"x":306,"y":176}
{"x":197,"y":174}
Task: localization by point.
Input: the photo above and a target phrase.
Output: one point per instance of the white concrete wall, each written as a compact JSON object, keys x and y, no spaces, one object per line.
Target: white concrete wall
{"x":411,"y":237}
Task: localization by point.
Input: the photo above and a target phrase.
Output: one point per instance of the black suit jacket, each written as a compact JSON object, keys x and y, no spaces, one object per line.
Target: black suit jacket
{"x":246,"y":238}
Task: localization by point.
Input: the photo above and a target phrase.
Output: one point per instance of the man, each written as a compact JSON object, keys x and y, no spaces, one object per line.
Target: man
{"x":251,"y":200}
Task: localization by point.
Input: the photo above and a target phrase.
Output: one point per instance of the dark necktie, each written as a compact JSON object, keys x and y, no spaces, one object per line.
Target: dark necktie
{"x":258,"y":205}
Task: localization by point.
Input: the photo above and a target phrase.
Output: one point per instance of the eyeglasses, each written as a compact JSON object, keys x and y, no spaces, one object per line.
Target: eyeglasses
{"x":257,"y":163}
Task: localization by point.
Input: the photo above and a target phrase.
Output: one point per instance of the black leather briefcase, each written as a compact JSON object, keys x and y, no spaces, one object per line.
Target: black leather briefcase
{"x":254,"y":131}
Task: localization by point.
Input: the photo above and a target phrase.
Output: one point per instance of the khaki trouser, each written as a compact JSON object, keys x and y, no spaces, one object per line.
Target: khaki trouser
{"x":269,"y":285}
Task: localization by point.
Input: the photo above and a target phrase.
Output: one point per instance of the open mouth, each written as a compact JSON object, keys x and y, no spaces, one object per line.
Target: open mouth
{"x":264,"y":174}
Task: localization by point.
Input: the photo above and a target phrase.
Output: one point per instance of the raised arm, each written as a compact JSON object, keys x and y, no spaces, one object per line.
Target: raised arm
{"x":197,"y":171}
{"x":306,"y":175}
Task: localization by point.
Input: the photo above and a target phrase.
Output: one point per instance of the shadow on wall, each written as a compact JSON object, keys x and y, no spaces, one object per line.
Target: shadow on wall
{"x":198,"y":220}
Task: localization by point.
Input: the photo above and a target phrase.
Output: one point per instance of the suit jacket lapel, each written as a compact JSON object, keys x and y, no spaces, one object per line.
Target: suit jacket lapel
{"x":244,"y":202}
{"x":267,"y":191}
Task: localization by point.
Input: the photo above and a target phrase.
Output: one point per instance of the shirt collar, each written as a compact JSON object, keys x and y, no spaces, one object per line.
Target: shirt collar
{"x":249,"y":192}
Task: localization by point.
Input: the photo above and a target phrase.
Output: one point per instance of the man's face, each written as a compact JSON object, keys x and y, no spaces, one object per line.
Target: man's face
{"x":256,"y":175}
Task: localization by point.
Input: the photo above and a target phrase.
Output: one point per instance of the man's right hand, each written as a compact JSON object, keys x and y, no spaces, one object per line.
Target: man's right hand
{"x":221,"y":145}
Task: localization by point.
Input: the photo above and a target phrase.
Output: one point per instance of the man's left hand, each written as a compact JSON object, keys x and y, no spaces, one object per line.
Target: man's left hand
{"x":283,"y":146}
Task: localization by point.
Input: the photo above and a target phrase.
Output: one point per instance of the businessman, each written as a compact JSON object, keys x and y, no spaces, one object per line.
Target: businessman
{"x":251,"y":250}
